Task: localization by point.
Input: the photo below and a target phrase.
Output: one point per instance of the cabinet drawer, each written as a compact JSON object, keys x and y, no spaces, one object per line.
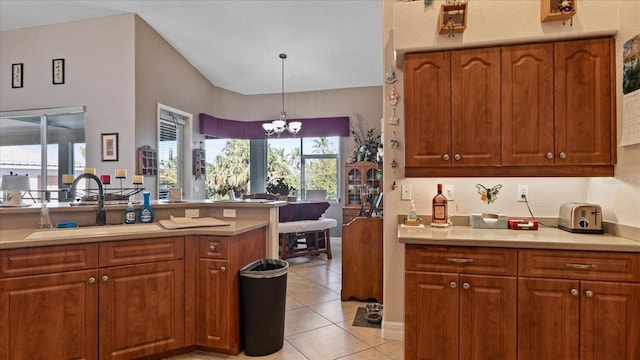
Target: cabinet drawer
{"x":141,"y":251}
{"x":213,"y":247}
{"x":45,"y":260}
{"x":350,"y":211}
{"x":587,"y":265}
{"x":466,"y":260}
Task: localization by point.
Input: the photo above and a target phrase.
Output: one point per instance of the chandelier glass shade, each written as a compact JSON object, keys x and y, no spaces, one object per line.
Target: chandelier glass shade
{"x":277,"y":127}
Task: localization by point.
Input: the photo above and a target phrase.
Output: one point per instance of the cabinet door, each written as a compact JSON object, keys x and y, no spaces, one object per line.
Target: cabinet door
{"x":527,"y":105}
{"x":141,"y":309}
{"x":362,"y":275}
{"x":610,"y":321}
{"x":475,"y":107}
{"x":427,"y":88}
{"x":214,"y":324}
{"x":583,"y":95}
{"x":487,"y":317}
{"x":354,"y":180}
{"x":431,"y":316}
{"x":548,"y":326}
{"x":49,"y":317}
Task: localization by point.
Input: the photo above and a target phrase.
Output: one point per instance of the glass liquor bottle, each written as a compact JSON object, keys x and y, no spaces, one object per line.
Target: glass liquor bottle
{"x":439,"y":214}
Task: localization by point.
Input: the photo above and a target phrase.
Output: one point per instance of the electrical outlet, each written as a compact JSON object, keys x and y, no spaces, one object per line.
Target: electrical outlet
{"x":230,"y":213}
{"x":192,"y":213}
{"x":448,"y":192}
{"x":406,"y":192}
{"x":523,"y":193}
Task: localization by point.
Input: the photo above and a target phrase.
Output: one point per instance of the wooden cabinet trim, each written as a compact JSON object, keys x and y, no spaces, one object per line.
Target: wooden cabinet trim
{"x":49,"y":259}
{"x":140,"y":251}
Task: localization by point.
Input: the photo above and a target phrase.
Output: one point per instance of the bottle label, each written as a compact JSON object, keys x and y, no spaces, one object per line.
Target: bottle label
{"x":145,"y":216}
{"x":439,"y":213}
{"x":130,"y":217}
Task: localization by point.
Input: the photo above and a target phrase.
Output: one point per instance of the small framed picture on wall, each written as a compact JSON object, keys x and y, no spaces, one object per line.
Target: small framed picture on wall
{"x":16,"y":75}
{"x":58,"y":71}
{"x":110,"y":147}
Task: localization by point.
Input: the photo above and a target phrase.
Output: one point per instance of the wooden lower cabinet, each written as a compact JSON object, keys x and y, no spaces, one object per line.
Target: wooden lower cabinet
{"x":216,"y":328}
{"x":141,"y":309}
{"x":453,"y":316}
{"x":571,"y":319}
{"x":455,"y":313}
{"x":52,"y":316}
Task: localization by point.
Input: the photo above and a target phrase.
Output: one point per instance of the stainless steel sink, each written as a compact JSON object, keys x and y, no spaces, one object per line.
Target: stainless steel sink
{"x":92,"y":231}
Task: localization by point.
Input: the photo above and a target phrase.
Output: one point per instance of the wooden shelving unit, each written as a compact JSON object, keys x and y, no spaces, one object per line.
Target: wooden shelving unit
{"x":453,"y":18}
{"x":147,"y":163}
{"x":550,"y":11}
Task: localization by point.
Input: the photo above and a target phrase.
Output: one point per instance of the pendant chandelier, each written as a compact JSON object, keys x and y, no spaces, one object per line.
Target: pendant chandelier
{"x":277,"y":127}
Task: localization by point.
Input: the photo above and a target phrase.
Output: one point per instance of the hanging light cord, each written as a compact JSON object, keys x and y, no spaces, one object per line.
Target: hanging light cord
{"x":283,"y":56}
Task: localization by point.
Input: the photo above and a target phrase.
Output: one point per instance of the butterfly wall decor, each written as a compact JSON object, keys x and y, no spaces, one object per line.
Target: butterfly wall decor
{"x":488,"y":195}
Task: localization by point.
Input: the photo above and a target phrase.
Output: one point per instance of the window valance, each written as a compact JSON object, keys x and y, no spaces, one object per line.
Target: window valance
{"x":234,"y":129}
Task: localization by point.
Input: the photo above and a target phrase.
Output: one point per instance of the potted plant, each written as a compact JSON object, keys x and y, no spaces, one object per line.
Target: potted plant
{"x":281,"y":187}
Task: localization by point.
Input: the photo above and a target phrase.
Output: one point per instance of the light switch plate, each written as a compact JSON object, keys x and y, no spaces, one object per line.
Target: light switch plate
{"x":229,"y":213}
{"x":406,"y":192}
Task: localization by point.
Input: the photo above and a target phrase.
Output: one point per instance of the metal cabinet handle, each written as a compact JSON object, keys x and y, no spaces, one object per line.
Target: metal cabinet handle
{"x":589,"y":293}
{"x":580,"y":266}
{"x":549,"y":155}
{"x":466,"y":286}
{"x":92,"y":280}
{"x":574,"y":292}
{"x":457,"y":157}
{"x":453,"y":284}
{"x":212,"y":248}
{"x":460,"y":260}
{"x":223,"y":269}
{"x":563,"y":155}
{"x":445,"y":157}
{"x":105,"y":278}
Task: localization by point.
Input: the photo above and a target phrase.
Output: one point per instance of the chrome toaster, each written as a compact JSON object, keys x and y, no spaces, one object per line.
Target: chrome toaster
{"x":580,"y":218}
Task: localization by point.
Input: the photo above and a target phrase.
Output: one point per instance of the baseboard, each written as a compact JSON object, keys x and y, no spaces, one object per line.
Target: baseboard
{"x":392,"y":330}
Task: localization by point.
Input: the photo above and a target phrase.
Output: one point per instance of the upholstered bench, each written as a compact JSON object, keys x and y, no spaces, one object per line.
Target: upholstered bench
{"x":305,"y":237}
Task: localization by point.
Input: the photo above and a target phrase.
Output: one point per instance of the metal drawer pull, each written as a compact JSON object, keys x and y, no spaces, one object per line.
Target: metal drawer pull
{"x":212,"y":248}
{"x":574,"y":292}
{"x":105,"y":278}
{"x":580,"y":266}
{"x":589,"y":293}
{"x":453,"y":284}
{"x":466,"y":286}
{"x":92,"y":280}
{"x":460,"y":260}
{"x":223,"y":269}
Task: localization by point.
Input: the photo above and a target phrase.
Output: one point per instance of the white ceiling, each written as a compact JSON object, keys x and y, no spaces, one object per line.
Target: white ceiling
{"x":330,"y":44}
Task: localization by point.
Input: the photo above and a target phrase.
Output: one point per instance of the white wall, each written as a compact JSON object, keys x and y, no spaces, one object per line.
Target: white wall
{"x":99,"y":73}
{"x":411,"y":27}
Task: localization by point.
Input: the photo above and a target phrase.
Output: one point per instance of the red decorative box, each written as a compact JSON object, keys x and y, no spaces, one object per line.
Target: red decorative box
{"x":522,"y":224}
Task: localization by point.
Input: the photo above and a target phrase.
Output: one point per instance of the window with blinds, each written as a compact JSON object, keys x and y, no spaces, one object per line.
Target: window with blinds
{"x":170,"y":153}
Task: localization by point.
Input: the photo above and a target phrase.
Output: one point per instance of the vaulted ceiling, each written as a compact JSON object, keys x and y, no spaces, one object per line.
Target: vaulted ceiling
{"x":330,"y":44}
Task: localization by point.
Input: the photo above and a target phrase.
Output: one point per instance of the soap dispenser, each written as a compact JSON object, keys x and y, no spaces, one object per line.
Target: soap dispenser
{"x":146,"y":212}
{"x":130,"y":214}
{"x":45,"y":221}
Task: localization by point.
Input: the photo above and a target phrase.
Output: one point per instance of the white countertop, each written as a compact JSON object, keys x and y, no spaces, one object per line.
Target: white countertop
{"x":543,"y":238}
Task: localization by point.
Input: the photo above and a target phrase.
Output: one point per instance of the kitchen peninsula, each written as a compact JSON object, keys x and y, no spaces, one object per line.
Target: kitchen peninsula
{"x":126,"y":291}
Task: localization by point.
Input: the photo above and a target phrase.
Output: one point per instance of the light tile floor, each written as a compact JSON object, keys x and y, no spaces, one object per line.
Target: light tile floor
{"x":318,"y":326}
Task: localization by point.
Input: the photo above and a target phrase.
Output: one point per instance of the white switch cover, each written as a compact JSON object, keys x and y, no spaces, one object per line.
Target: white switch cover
{"x":406,"y":192}
{"x":229,"y":213}
{"x":192,"y":213}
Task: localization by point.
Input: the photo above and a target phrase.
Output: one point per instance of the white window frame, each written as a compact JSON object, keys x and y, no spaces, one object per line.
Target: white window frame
{"x":186,"y":157}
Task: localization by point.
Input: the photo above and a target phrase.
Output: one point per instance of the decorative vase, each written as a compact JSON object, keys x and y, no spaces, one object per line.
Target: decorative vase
{"x":360,"y":157}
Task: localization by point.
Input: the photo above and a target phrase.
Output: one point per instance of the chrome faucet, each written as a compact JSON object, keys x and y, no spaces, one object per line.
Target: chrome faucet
{"x":101,"y":215}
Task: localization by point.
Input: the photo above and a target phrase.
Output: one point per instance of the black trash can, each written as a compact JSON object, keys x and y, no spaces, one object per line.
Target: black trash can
{"x":263,"y":291}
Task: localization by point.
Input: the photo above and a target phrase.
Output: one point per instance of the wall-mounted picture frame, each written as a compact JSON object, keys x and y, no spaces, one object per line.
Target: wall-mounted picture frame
{"x":57,"y":68}
{"x":17,"y":75}
{"x":110,"y":147}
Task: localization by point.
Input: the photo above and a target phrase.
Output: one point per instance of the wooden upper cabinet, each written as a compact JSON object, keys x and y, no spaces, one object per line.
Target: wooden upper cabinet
{"x":584,"y":100}
{"x":545,"y":109}
{"x":527,"y":83}
{"x":427,"y":83}
{"x":475,"y":107}
{"x":453,"y":108}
